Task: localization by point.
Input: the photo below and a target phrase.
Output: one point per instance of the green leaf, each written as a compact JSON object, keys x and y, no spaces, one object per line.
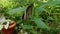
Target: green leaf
{"x":17,"y":11}
{"x":34,"y":32}
{"x":50,"y":18}
{"x":40,"y":9}
{"x":40,"y":23}
{"x":52,"y":3}
{"x":28,"y":27}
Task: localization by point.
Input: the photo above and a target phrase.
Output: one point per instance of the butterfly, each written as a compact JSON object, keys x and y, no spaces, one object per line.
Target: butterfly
{"x":28,"y":12}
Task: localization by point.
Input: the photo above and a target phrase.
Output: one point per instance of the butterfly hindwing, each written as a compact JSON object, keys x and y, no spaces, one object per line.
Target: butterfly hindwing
{"x":28,"y":12}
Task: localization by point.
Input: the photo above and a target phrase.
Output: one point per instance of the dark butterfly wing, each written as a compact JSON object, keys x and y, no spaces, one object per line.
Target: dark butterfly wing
{"x":28,"y":12}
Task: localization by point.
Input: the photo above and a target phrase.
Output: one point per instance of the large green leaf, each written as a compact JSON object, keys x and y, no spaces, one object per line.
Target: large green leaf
{"x":40,"y":23}
{"x":16,"y":11}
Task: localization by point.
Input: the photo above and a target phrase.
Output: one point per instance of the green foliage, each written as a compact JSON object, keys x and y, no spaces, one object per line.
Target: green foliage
{"x":40,"y":23}
{"x":45,"y":15}
{"x":27,"y":27}
{"x":16,"y":11}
